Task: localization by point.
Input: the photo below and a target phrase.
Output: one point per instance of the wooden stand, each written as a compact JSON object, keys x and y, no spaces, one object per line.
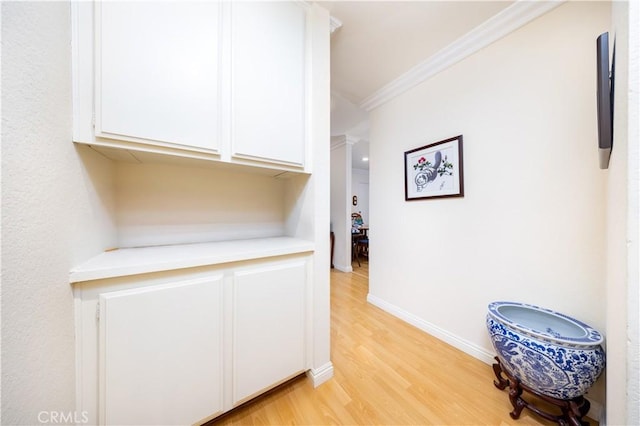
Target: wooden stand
{"x":572,"y":409}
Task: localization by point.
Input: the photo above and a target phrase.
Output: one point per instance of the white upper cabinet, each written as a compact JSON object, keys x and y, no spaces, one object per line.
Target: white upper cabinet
{"x":222,"y":81}
{"x":268,"y":81}
{"x":157,"y":72}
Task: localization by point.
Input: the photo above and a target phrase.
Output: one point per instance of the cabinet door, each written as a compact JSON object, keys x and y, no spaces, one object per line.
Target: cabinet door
{"x":157,"y":72}
{"x":160,"y":353}
{"x":268,"y":326}
{"x":268,"y":81}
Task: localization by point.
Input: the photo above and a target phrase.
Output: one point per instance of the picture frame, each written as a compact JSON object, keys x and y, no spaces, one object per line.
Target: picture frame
{"x":434,"y":170}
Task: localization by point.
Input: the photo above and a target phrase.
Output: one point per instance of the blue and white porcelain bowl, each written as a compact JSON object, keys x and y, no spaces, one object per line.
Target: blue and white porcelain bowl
{"x":547,"y":351}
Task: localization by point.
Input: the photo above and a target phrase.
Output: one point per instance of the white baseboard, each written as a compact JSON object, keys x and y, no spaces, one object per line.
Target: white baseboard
{"x":343,"y":268}
{"x":320,"y":375}
{"x":596,"y":412}
{"x":455,"y":341}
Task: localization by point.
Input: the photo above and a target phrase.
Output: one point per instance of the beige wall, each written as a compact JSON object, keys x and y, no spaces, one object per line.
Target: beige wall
{"x":531,"y":226}
{"x":56,"y":211}
{"x":173,"y":204}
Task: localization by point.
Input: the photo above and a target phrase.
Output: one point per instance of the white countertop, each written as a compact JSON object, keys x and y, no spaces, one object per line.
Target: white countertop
{"x":131,"y":261}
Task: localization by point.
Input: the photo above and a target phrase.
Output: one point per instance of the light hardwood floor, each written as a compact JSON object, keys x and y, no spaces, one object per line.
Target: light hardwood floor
{"x":387,"y":372}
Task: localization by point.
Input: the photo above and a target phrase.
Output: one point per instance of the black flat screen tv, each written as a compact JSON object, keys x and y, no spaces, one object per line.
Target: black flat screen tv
{"x":605,"y":99}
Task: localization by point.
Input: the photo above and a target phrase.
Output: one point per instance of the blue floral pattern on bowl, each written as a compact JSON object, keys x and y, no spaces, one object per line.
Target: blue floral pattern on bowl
{"x":548,"y":362}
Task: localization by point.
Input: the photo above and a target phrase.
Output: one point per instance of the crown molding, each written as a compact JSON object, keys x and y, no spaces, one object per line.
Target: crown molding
{"x":334,"y":23}
{"x":493,"y":29}
{"x":342,"y":140}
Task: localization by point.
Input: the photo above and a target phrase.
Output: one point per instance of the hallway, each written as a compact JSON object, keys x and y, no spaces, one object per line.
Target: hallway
{"x":386,"y":372}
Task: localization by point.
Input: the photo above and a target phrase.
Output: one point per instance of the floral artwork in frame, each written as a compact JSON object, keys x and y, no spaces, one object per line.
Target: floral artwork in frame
{"x":434,"y":171}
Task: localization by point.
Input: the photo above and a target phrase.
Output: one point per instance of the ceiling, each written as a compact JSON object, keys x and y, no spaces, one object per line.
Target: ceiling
{"x":381,"y":40}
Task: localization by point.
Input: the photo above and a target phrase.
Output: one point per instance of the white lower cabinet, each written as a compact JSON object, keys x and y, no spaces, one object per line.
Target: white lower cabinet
{"x":269,"y":327}
{"x":183,"y":346}
{"x":161,"y":353}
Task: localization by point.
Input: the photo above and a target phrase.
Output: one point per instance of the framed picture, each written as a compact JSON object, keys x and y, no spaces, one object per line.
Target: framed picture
{"x":434,"y":171}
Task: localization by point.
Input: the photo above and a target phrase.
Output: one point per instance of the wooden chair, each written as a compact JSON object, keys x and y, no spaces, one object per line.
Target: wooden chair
{"x":354,"y":247}
{"x":362,"y":246}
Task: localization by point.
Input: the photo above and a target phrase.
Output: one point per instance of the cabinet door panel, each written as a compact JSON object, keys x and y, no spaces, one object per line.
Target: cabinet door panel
{"x":269,"y":326}
{"x":161,"y":352}
{"x":268,"y":81}
{"x":157,"y":71}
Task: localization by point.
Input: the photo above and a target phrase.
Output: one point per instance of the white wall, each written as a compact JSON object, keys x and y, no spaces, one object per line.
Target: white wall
{"x":346,"y":182}
{"x":530,"y":227}
{"x":56,"y":211}
{"x":360,"y":188}
{"x":348,"y":119}
{"x":623,"y":214}
{"x":341,"y":151}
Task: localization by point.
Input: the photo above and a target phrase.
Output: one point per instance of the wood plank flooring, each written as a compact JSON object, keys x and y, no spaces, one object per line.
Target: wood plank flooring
{"x":387,"y":372}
